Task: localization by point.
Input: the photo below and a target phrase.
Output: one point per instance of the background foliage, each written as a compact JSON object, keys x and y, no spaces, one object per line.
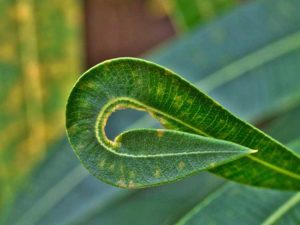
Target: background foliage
{"x":39,"y":60}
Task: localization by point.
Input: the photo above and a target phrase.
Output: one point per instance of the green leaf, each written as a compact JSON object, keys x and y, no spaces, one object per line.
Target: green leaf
{"x":246,"y":206}
{"x":65,"y":208}
{"x":140,"y":158}
{"x":227,"y":51}
{"x":169,"y":203}
{"x":290,"y":132}
{"x":250,"y":95}
{"x":255,"y":206}
{"x":37,"y":67}
{"x":128,"y":82}
{"x":166,"y":202}
{"x":188,"y":14}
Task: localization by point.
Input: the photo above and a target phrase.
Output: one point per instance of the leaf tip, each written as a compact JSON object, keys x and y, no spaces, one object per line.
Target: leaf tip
{"x":252,"y":151}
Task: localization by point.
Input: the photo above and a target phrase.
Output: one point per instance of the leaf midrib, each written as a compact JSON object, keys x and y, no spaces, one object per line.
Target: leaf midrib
{"x":53,"y":196}
{"x":290,"y":203}
{"x":268,"y":221}
{"x":251,"y":61}
{"x":278,"y":169}
{"x":206,"y":201}
{"x":134,"y":102}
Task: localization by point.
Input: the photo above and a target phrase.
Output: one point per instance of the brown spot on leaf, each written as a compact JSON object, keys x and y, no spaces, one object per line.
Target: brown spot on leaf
{"x":121,"y":183}
{"x":160,"y":133}
{"x":131,"y":184}
{"x":181,"y":165}
{"x":157,"y":173}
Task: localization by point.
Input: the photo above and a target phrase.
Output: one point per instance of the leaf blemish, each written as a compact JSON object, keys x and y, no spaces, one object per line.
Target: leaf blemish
{"x":212,"y":165}
{"x":168,"y":72}
{"x":160,"y":89}
{"x":190,"y":101}
{"x":131,"y":174}
{"x":121,"y":183}
{"x":111,"y":167}
{"x":81,"y":145}
{"x":91,"y":85}
{"x":102,"y":163}
{"x":160,"y":133}
{"x":157,"y":173}
{"x":181,"y":165}
{"x":131,"y":184}
{"x":178,"y":98}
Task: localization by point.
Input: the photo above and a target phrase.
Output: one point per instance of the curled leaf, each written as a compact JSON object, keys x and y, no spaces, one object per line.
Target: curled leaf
{"x":207,"y":135}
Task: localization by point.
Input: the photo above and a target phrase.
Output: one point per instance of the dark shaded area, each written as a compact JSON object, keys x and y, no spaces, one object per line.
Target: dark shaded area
{"x":117,"y":28}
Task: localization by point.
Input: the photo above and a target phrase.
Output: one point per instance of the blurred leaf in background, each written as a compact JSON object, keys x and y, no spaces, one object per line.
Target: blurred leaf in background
{"x":40,"y":58}
{"x":188,"y":14}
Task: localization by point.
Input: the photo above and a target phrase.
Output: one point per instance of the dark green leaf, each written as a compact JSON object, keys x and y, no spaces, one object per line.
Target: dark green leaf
{"x":255,"y":206}
{"x":188,"y":14}
{"x":169,"y":203}
{"x":142,"y":158}
{"x":128,"y":82}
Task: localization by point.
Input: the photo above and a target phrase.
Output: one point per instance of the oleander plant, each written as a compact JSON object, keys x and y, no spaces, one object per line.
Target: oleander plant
{"x":202,"y":130}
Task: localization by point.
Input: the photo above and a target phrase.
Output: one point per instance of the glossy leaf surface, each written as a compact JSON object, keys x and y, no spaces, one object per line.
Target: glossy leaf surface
{"x":142,"y":158}
{"x":128,"y":82}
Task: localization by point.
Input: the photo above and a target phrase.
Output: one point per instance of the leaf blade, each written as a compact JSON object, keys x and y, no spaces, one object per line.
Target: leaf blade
{"x":166,"y":94}
{"x":262,"y":206}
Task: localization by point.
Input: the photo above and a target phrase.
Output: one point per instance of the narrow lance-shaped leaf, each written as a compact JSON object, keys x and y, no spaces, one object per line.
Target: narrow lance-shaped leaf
{"x":255,"y":206}
{"x":188,"y":14}
{"x":127,"y":163}
{"x":136,"y":158}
